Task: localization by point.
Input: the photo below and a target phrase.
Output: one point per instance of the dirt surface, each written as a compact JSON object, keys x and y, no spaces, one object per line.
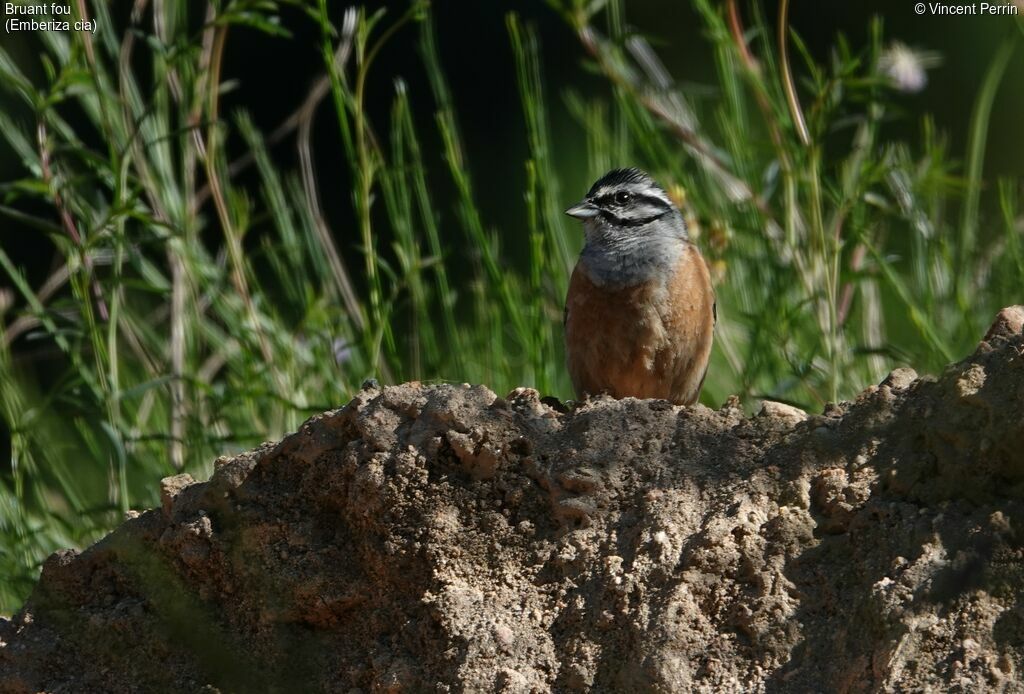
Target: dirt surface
{"x":446,"y":539}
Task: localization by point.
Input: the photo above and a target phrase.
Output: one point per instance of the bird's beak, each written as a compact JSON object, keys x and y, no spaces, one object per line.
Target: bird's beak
{"x":583,"y":210}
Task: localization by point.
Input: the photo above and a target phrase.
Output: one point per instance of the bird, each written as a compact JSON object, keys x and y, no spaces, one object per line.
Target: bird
{"x":640,"y":310}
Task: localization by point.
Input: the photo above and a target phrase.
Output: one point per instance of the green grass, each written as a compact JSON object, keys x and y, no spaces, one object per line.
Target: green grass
{"x":195,"y":317}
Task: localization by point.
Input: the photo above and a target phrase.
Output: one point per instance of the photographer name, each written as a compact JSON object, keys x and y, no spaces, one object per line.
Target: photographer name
{"x":974,"y":8}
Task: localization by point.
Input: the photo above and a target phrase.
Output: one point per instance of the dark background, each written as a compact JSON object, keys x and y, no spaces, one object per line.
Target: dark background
{"x":271,"y":75}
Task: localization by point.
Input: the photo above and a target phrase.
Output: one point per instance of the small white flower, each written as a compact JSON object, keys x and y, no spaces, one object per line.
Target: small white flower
{"x":342,"y":349}
{"x":905,"y":67}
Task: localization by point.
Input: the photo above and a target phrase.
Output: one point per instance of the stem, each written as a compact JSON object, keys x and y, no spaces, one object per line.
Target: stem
{"x":787,"y":76}
{"x":976,"y":160}
{"x":234,"y":244}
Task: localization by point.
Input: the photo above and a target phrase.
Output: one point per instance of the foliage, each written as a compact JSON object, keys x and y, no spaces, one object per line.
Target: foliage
{"x":194,"y":317}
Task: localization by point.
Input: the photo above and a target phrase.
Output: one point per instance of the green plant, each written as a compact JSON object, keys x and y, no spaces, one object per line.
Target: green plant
{"x":195,"y":317}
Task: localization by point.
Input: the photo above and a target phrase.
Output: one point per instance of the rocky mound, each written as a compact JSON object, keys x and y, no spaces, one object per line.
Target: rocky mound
{"x":443,"y":538}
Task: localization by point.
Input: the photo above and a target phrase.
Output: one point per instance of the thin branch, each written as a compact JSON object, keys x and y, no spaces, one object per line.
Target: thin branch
{"x":787,"y":76}
{"x":67,"y":221}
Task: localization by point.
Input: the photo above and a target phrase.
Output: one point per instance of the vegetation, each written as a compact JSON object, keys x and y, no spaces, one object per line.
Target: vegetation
{"x":194,"y":316}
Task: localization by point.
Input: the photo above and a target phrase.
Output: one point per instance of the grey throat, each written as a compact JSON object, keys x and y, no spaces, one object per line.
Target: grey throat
{"x":615,"y":257}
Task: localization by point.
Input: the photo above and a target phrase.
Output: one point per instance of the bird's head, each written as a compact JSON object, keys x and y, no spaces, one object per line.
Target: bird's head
{"x":626,"y":206}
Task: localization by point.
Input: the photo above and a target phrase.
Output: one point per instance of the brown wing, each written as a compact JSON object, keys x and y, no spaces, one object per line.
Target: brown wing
{"x":691,"y":317}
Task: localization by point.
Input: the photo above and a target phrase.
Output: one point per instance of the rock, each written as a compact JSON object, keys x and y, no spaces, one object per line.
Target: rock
{"x":171,"y":487}
{"x":900,"y":378}
{"x":782,"y":411}
{"x":1008,"y":323}
{"x":444,"y":538}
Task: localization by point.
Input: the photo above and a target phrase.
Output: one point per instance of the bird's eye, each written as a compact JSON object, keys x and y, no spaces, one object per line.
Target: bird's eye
{"x":622,"y":197}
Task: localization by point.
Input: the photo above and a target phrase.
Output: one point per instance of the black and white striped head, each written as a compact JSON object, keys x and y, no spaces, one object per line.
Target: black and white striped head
{"x":627,"y":202}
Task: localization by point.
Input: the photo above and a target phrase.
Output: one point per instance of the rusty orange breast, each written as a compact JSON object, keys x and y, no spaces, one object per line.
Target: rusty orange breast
{"x":650,"y":340}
